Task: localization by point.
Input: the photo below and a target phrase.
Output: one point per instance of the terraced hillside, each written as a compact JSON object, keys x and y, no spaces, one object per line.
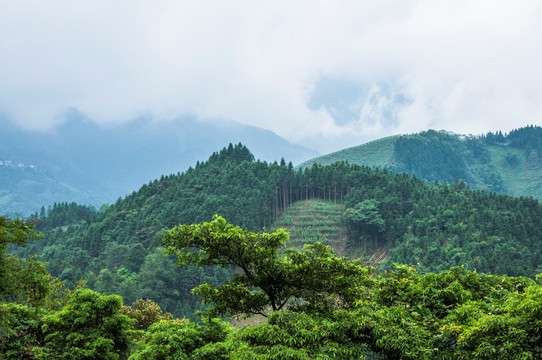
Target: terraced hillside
{"x":309,"y":221}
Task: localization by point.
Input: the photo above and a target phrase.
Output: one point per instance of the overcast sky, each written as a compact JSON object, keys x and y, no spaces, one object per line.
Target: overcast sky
{"x":325,"y":74}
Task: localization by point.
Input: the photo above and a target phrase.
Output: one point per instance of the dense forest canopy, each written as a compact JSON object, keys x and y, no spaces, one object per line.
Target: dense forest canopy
{"x":444,"y":156}
{"x":430,"y":226}
{"x":443,"y":304}
{"x":527,"y":138}
{"x":354,"y":313}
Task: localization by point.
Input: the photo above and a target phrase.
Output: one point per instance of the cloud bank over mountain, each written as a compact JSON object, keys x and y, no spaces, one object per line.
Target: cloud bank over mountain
{"x":323,"y":74}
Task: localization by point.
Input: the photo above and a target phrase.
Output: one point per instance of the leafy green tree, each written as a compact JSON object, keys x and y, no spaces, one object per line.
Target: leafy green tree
{"x":15,"y":279}
{"x":24,"y":287}
{"x":89,"y":327}
{"x":366,"y":216}
{"x":159,"y":279}
{"x":27,"y":293}
{"x":268,"y":280}
{"x":20,"y":333}
{"x":509,"y":328}
{"x":145,"y":312}
{"x":182,"y":339}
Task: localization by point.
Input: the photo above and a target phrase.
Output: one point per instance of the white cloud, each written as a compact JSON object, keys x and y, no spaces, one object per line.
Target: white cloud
{"x":464,"y":66}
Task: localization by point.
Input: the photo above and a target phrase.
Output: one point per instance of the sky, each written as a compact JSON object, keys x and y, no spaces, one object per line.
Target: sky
{"x":324,"y":74}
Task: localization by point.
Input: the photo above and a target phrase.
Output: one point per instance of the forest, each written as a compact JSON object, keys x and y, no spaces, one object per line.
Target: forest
{"x":431,"y":226}
{"x":311,"y":304}
{"x":444,"y":301}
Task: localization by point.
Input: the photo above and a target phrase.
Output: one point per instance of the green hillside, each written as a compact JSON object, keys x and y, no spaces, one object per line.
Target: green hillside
{"x":378,"y":153}
{"x":317,"y":220}
{"x":362,"y":212}
{"x":504,"y":163}
{"x":309,"y":221}
{"x":468,"y":284}
{"x":521,"y":173}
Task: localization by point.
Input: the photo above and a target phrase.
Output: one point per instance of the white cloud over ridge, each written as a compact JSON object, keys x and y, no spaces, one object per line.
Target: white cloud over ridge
{"x":463,"y":66}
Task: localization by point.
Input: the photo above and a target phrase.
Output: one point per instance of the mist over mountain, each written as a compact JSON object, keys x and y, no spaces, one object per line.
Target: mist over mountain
{"x":87,"y":163}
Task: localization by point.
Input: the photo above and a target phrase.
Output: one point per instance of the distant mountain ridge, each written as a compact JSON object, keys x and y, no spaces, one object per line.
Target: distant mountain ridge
{"x":86,"y":163}
{"x":504,"y":163}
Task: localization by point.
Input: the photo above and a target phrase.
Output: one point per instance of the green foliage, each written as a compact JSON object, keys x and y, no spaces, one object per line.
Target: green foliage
{"x":431,"y":155}
{"x":90,"y":326}
{"x":145,"y":313}
{"x":222,"y":244}
{"x":15,"y":232}
{"x":20,"y":331}
{"x":268,"y":280}
{"x":62,"y":214}
{"x":399,"y":314}
{"x":455,"y":314}
{"x":365,"y":218}
{"x":181,"y":339}
{"x":24,"y":281}
{"x":21,"y":280}
{"x":528,"y":139}
{"x":505,"y":329}
{"x":332,"y":307}
{"x":392,"y":217}
{"x":504,"y":163}
{"x":293,"y":335}
{"x":28,"y":293}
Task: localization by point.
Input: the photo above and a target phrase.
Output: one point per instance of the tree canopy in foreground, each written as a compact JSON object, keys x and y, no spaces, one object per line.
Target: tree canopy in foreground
{"x":340,"y":309}
{"x":269,"y":276}
{"x":318,"y":306}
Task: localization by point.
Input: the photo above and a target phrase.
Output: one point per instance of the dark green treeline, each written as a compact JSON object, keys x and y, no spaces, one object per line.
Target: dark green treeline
{"x":433,"y":227}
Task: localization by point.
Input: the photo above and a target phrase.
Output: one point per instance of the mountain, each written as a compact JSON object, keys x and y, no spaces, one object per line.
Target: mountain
{"x":373,"y":214}
{"x":504,"y":163}
{"x":90,"y":164}
{"x":359,"y":210}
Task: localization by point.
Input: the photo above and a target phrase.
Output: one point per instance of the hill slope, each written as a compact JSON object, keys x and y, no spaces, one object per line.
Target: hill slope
{"x":370,"y":212}
{"x":313,"y":220}
{"x":509,"y":163}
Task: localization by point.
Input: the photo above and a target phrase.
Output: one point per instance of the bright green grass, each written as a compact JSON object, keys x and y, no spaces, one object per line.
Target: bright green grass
{"x":521,"y":178}
{"x":378,"y":153}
